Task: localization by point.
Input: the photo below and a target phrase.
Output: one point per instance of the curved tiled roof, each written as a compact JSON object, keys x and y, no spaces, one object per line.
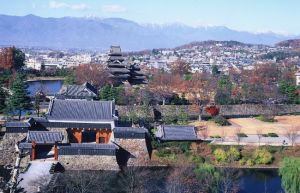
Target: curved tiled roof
{"x":84,"y":90}
{"x":80,"y":110}
{"x":44,"y":136}
{"x":176,"y":132}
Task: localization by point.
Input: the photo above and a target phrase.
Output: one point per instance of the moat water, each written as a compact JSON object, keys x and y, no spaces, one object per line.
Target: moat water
{"x":156,"y":180}
{"x":49,"y":87}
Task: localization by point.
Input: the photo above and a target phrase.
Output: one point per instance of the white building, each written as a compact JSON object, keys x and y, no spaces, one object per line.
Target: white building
{"x":298,"y":78}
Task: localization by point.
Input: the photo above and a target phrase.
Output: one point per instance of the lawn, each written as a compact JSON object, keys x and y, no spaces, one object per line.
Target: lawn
{"x":251,"y":125}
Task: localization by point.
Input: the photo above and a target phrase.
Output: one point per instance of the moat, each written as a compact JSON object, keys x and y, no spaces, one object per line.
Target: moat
{"x":163,"y":180}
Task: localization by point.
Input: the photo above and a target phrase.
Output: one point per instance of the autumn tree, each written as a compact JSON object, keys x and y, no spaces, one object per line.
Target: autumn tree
{"x":161,"y":85}
{"x":96,"y":74}
{"x":180,"y":67}
{"x":182,"y":179}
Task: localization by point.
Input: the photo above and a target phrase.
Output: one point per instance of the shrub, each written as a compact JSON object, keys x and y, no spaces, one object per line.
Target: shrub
{"x":182,"y":146}
{"x":219,"y":120}
{"x":215,"y":136}
{"x":220,"y":155}
{"x":272,"y":149}
{"x":242,"y":135}
{"x":233,"y":154}
{"x":265,"y":135}
{"x":165,"y":153}
{"x":262,"y":156}
{"x":198,"y":159}
{"x":242,"y":161}
{"x":266,"y":118}
{"x":272,"y":135}
{"x":250,"y":162}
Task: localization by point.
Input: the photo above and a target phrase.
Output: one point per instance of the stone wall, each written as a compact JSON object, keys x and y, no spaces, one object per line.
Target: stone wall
{"x":7,"y":147}
{"x":140,"y":111}
{"x":243,"y":110}
{"x":88,"y":162}
{"x":138,"y":150}
{"x":246,"y":110}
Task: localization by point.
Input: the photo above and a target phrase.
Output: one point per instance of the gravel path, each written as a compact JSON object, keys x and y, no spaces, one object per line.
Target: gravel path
{"x":37,"y":175}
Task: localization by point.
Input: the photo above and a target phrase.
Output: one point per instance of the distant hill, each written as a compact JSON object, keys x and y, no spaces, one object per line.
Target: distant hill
{"x":99,"y":34}
{"x":212,"y":42}
{"x":294,"y":43}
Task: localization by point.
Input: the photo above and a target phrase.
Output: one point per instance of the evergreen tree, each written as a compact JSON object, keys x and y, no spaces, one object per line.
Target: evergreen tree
{"x":224,"y":89}
{"x":3,"y":95}
{"x":19,"y":100}
{"x":290,"y":91}
{"x":69,"y":79}
{"x":19,"y":58}
{"x":215,"y":71}
{"x":106,"y":93}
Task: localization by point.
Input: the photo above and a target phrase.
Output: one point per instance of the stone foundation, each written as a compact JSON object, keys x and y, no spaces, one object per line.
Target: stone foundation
{"x":137,"y":148}
{"x":88,"y":162}
{"x":7,"y":147}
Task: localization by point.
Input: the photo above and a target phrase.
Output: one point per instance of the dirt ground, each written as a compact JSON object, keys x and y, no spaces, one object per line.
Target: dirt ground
{"x":251,"y":125}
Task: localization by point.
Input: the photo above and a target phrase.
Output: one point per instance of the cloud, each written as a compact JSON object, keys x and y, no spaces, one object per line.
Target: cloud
{"x":59,"y":5}
{"x":113,"y":8}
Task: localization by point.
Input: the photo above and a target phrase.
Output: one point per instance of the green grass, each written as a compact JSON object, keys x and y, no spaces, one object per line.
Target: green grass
{"x":266,"y":119}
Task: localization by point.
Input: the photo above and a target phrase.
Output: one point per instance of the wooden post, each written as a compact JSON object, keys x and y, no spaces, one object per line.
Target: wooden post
{"x":55,"y":151}
{"x":80,"y":136}
{"x":97,"y":136}
{"x":33,"y":144}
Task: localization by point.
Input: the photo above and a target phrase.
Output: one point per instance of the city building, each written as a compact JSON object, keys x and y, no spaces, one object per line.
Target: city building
{"x":297,"y":78}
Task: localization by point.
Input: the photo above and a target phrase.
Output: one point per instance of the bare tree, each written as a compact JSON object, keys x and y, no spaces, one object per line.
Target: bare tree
{"x":237,"y":133}
{"x":259,"y":135}
{"x":182,"y":179}
{"x":83,"y":181}
{"x":223,"y":134}
{"x":293,"y":134}
{"x":136,"y":180}
{"x":180,"y":67}
{"x":229,"y":180}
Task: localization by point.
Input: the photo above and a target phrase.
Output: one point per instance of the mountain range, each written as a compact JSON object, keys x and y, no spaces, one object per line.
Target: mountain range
{"x":100,"y":34}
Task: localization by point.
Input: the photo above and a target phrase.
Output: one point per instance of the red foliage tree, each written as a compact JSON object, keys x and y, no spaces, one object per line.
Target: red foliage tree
{"x":212,"y":110}
{"x":96,"y":74}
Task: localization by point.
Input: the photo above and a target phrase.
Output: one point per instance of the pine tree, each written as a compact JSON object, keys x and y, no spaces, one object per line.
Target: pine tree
{"x":19,"y":100}
{"x":3,"y":96}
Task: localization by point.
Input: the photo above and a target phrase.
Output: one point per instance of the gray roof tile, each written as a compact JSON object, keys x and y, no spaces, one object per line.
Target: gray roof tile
{"x":80,"y":110}
{"x":44,"y":136}
{"x":129,"y":132}
{"x":81,"y":91}
{"x":176,"y":132}
{"x":17,"y":124}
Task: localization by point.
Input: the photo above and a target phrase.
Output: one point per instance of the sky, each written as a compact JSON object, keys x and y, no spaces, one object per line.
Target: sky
{"x":279,"y":16}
